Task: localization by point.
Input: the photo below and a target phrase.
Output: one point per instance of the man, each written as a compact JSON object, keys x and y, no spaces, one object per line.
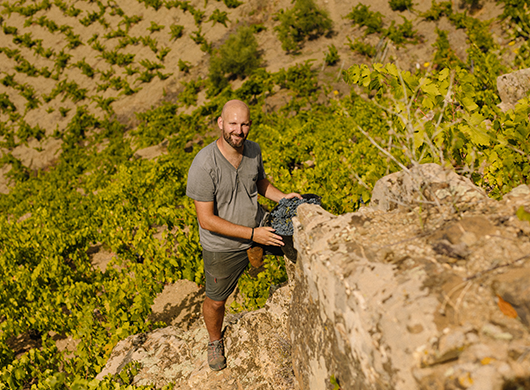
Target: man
{"x":224,"y":181}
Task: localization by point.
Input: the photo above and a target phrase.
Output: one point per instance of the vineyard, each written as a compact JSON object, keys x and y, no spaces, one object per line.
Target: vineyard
{"x":97,"y":192}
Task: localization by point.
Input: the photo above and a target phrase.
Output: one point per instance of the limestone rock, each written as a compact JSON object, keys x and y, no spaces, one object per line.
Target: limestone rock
{"x":257,"y":348}
{"x":513,"y":86}
{"x":394,"y":296}
{"x":424,"y":184}
{"x":387,"y":310}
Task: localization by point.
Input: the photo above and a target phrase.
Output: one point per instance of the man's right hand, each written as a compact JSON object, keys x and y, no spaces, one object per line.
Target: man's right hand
{"x":265,"y":236}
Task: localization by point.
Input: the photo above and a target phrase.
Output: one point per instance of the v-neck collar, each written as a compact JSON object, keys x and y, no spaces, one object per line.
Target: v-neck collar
{"x":227,"y":161}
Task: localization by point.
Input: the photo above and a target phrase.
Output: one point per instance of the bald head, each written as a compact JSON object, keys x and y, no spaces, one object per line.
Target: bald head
{"x":234,"y":105}
{"x":235,"y":124}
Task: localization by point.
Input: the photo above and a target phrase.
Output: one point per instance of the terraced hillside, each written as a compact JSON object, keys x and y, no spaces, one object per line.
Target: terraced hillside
{"x":104,"y":104}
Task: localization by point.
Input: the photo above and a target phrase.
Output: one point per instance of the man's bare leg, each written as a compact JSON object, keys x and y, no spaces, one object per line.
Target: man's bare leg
{"x":213,"y":312}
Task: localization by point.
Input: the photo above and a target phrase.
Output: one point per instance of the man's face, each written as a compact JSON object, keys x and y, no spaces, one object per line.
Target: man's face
{"x":235,"y":124}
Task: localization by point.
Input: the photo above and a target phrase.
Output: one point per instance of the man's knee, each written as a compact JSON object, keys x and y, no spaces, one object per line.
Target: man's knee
{"x":216,"y":305}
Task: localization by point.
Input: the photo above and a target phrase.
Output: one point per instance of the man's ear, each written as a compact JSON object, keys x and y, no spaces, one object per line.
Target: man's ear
{"x":220,"y":123}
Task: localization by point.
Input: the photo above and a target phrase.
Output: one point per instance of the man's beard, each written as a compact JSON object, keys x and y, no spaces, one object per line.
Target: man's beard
{"x":227,"y":137}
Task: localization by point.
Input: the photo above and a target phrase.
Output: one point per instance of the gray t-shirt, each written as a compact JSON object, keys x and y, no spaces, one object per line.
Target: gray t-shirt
{"x":212,"y":178}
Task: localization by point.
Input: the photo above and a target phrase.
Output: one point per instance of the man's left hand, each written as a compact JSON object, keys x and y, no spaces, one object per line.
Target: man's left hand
{"x":293,"y":195}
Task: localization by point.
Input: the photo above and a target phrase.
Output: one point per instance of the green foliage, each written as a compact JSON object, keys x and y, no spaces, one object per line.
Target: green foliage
{"x":514,"y":11}
{"x":469,"y":131}
{"x":28,"y":92}
{"x":184,"y":66}
{"x":25,"y":132}
{"x":363,"y":17}
{"x":64,"y":111}
{"x":25,"y":40}
{"x":218,"y":17}
{"x":156,"y":4}
{"x":119,"y":33}
{"x":237,"y":57}
{"x":130,"y":21}
{"x":43,"y":21}
{"x":61,"y":60}
{"x":402,"y":33}
{"x":163,"y":53}
{"x":154,"y":27}
{"x":522,"y":214}
{"x":299,"y":78}
{"x":85,"y":68}
{"x":115,"y":58}
{"x":90,"y":18}
{"x":148,"y":41}
{"x":69,"y":89}
{"x":477,"y":31}
{"x":334,"y":382}
{"x":400,"y":5}
{"x":198,"y":16}
{"x":255,"y":290}
{"x":176,"y":31}
{"x":437,"y":10}
{"x":331,"y":56}
{"x":28,"y":11}
{"x":146,"y":76}
{"x":73,"y":39}
{"x":189,"y":95}
{"x":6,"y":105}
{"x":232,"y":3}
{"x":304,"y":21}
{"x":445,"y":57}
{"x":362,"y":48}
{"x":9,"y":29}
{"x":149,"y":65}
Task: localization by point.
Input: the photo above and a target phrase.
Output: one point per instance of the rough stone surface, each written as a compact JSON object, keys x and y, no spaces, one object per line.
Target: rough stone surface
{"x":428,"y":184}
{"x":257,"y":348}
{"x":432,"y":294}
{"x":408,"y":298}
{"x":513,"y":86}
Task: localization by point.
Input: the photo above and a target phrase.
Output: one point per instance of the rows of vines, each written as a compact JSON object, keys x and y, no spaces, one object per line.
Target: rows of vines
{"x":100,"y":195}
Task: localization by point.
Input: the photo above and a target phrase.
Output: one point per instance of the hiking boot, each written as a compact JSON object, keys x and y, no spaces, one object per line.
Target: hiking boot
{"x":216,"y":355}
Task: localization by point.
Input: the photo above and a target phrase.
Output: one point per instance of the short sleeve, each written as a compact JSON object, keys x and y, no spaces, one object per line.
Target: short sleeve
{"x":200,"y":185}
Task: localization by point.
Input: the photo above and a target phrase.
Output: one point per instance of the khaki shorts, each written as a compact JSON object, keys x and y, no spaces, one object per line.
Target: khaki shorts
{"x":223,"y":269}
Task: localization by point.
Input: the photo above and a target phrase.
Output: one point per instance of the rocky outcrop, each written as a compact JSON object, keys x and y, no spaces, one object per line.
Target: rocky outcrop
{"x":425,"y":289}
{"x":257,"y":347}
{"x":513,"y":87}
{"x":430,"y":295}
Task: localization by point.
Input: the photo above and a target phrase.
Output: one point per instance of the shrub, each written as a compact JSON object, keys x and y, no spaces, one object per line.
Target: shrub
{"x":362,"y":48}
{"x":237,"y":57}
{"x":218,"y":17}
{"x":401,"y":33}
{"x":232,"y":3}
{"x":85,"y":68}
{"x":190,"y":93}
{"x":175,"y":30}
{"x":332,"y":55}
{"x":362,"y":16}
{"x":184,"y":66}
{"x":154,"y":27}
{"x":304,"y":21}
{"x":445,"y":56}
{"x":400,"y":5}
{"x":438,"y":10}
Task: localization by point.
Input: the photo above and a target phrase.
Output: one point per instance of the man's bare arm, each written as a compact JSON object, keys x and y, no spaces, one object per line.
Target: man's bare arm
{"x":267,"y":189}
{"x":209,"y":221}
